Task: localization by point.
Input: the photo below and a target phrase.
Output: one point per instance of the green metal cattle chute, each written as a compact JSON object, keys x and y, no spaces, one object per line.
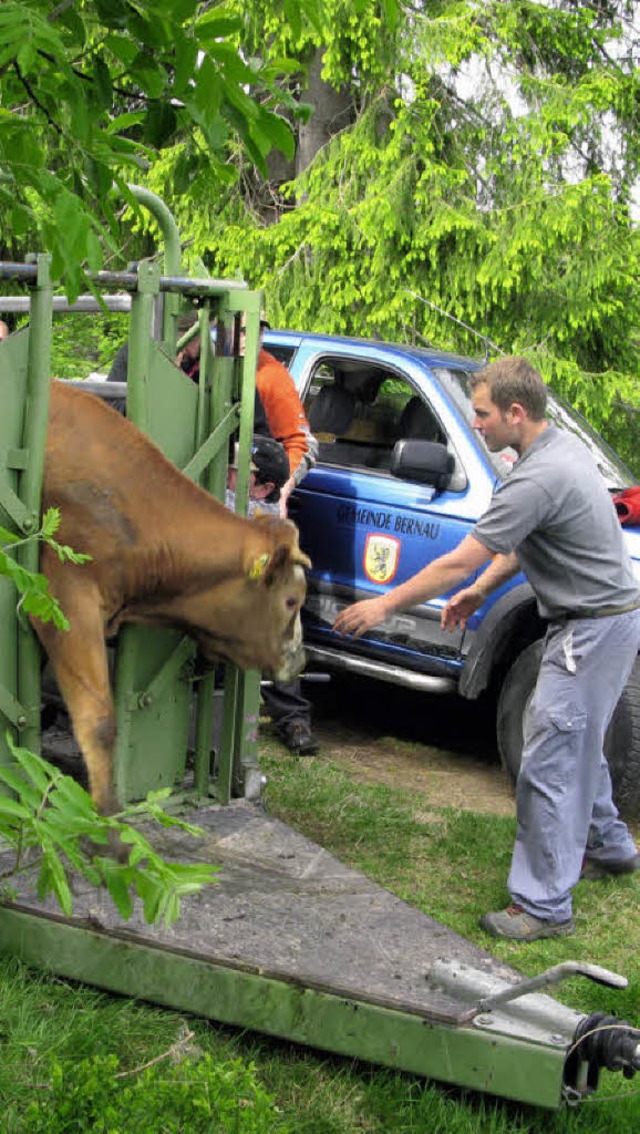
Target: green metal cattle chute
{"x":289,"y":942}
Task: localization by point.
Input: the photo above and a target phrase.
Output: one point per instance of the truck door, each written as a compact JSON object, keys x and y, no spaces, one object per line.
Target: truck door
{"x":365,"y":530}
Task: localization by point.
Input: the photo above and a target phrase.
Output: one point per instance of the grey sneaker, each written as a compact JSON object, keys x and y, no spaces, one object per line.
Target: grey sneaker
{"x":518,"y":925}
{"x":593,"y":871}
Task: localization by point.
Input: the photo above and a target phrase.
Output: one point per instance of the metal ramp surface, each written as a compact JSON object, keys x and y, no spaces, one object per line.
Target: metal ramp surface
{"x":293,"y":943}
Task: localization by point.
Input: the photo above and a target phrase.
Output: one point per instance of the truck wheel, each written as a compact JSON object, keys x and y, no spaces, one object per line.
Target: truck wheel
{"x":622,"y":742}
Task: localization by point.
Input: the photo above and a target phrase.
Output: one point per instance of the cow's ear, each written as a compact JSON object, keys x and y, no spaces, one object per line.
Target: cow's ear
{"x":278,"y":563}
{"x":284,"y":558}
{"x":257,"y":567}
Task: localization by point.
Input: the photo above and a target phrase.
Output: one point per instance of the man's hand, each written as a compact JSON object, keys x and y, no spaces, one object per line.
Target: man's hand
{"x":460,"y":607}
{"x":360,"y":617}
{"x":285,"y":493}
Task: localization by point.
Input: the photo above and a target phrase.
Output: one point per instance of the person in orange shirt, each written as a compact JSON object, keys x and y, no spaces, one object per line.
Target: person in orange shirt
{"x":286,"y":419}
{"x":290,"y":712}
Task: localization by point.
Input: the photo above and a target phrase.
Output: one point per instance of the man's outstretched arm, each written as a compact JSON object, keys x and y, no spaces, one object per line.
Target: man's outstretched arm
{"x":435,"y":579}
{"x":462,"y":605}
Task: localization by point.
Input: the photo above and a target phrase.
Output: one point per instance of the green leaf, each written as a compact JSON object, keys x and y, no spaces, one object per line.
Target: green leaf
{"x":102,"y":80}
{"x":215,"y":23}
{"x":279,"y":132}
{"x":50,"y":522}
{"x":52,"y":877}
{"x":117,"y":880}
{"x":37,"y":769}
{"x":12,"y":809}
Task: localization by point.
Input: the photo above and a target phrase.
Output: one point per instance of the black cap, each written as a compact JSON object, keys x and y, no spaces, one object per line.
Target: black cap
{"x":271,"y":464}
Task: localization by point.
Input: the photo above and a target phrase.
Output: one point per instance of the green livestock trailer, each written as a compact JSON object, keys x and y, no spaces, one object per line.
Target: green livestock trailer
{"x":289,"y":942}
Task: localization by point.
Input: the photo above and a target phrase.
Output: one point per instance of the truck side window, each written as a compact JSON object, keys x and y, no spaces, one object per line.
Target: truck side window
{"x":358,"y":414}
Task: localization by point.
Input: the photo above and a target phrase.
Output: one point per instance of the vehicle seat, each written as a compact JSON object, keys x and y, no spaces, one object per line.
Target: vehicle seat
{"x":417,"y":421}
{"x":332,"y":411}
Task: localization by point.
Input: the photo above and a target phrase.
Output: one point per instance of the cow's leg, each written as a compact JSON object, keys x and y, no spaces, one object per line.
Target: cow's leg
{"x":79,"y":660}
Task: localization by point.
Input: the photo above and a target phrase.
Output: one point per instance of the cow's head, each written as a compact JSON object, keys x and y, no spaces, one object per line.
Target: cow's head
{"x":253,"y":618}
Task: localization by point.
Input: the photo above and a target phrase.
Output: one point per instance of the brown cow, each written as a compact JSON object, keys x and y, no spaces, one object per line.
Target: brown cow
{"x":164,"y":553}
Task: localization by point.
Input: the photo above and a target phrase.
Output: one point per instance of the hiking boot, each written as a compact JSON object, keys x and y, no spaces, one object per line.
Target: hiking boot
{"x":593,"y":871}
{"x":298,"y":738}
{"x":518,"y":925}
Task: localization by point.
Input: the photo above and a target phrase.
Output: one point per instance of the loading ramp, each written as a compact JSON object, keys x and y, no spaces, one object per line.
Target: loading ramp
{"x":292,"y":943}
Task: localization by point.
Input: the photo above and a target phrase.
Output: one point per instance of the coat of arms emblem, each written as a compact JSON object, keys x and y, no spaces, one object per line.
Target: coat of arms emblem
{"x":381,"y":557}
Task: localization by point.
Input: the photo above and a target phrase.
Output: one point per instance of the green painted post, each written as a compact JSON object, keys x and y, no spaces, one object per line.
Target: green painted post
{"x":35,"y":434}
{"x":245,"y":704}
{"x":14,"y":352}
{"x":140,"y":345}
{"x":237,"y":759}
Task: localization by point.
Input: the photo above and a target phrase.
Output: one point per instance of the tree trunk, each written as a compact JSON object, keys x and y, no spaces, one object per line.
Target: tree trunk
{"x":333,"y":110}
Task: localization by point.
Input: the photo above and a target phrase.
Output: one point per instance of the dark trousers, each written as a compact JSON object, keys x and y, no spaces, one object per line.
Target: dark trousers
{"x":285,"y":704}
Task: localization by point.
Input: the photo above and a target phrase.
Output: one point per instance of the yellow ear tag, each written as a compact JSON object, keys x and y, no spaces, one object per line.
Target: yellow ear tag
{"x":259,"y":567}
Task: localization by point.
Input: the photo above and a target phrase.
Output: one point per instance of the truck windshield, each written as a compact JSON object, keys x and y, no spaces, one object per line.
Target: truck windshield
{"x":615,"y":473}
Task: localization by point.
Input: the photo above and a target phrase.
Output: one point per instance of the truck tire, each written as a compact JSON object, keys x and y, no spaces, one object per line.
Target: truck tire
{"x":622,"y":742}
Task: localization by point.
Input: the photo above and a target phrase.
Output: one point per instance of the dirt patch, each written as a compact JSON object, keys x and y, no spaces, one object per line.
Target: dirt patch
{"x":442,"y":747}
{"x":445,"y":779}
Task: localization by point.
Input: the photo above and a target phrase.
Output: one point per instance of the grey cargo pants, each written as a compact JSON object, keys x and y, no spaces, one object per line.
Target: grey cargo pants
{"x":563,"y":798}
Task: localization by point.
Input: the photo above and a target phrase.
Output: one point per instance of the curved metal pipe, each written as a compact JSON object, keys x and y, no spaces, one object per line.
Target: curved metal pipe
{"x":171,"y":236}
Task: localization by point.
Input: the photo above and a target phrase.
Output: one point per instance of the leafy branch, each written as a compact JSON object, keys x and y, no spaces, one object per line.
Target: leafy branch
{"x":35,"y":597}
{"x":50,"y":820}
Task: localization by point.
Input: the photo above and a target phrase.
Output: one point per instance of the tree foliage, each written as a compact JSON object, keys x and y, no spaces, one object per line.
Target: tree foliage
{"x":481,"y":195}
{"x":90,"y":92}
{"x":468,"y":176}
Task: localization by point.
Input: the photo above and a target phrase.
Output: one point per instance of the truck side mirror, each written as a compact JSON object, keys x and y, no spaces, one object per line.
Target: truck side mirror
{"x":427,"y":462}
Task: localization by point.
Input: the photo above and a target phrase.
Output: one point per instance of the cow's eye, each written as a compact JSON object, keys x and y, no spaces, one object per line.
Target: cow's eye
{"x":290,"y":603}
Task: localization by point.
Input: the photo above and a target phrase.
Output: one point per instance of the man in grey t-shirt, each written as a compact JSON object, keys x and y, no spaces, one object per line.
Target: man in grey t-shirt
{"x":553,"y":519}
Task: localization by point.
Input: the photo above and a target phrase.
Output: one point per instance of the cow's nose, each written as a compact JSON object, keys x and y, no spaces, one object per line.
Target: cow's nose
{"x":291,"y":666}
{"x":292,"y":659}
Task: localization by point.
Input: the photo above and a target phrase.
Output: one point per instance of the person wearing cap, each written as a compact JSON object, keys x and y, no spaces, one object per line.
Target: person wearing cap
{"x":285,"y":416}
{"x":268,"y":471}
{"x":290,"y":712}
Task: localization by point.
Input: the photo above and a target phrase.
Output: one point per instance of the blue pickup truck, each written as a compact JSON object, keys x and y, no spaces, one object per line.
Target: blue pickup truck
{"x":401,"y":478}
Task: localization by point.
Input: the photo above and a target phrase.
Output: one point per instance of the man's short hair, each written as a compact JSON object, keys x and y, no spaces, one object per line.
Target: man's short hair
{"x":514,"y":380}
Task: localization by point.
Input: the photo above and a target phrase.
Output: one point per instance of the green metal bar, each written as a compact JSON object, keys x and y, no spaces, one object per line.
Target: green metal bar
{"x":128,"y":281}
{"x":21,"y":515}
{"x":246,"y":371}
{"x":30,"y":491}
{"x":221,"y":406}
{"x":248,"y":719}
{"x":467,"y":1056}
{"x":205,"y":706}
{"x":223,"y":788}
{"x":171,"y":238}
{"x":209,"y":464}
{"x":140,"y":346}
{"x":204,"y":392}
{"x":11,"y":708}
{"x":213,"y":445}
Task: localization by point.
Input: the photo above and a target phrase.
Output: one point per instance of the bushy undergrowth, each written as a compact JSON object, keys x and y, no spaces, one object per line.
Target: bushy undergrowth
{"x":194,"y":1096}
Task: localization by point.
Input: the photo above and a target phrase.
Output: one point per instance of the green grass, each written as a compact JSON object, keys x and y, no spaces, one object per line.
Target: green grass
{"x":451,"y":864}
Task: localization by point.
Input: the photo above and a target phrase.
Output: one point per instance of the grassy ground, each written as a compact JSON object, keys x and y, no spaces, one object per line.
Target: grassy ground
{"x":450,"y":863}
